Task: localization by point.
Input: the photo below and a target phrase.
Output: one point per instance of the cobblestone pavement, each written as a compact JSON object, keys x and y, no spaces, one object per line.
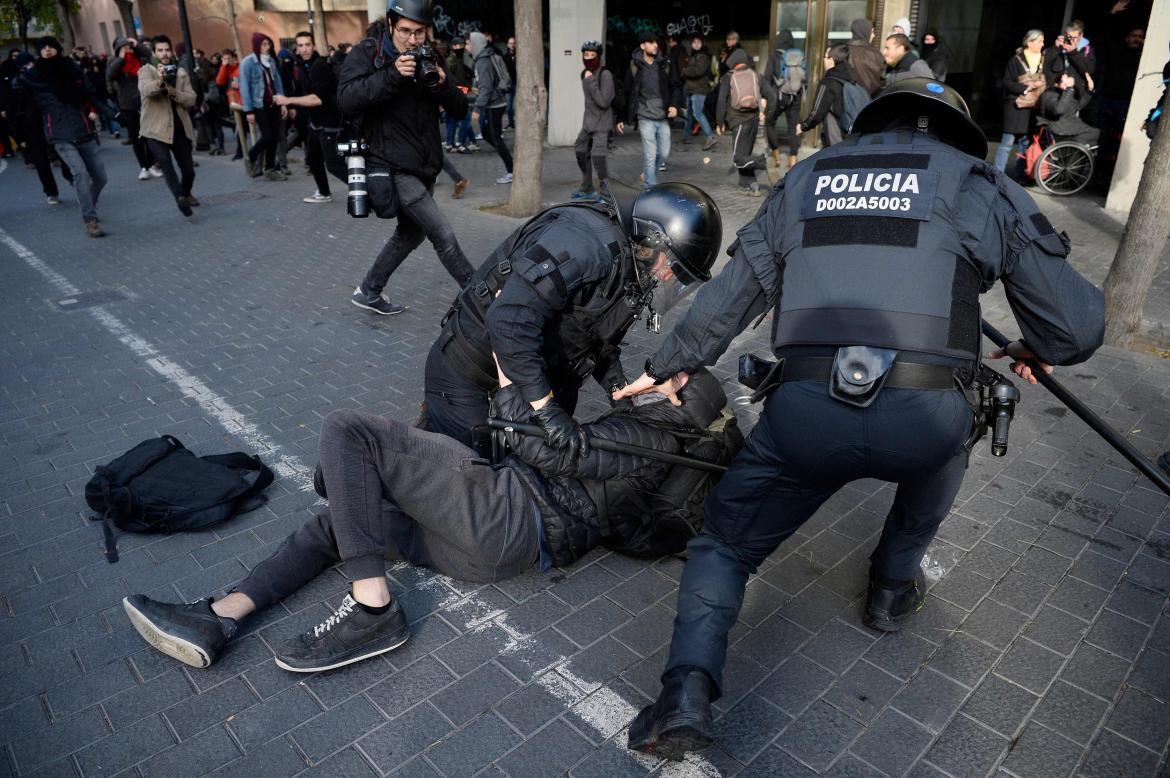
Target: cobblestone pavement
{"x":1044,"y":648}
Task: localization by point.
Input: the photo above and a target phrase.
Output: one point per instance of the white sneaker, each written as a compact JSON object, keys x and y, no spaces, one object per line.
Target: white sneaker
{"x":155,"y":172}
{"x":144,"y":175}
{"x":317,"y":197}
{"x":504,"y":179}
{"x":52,"y":200}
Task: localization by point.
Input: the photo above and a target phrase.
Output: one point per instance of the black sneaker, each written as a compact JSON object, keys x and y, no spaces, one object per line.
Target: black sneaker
{"x":184,"y":206}
{"x":188,"y":631}
{"x":376,"y":303}
{"x":887,"y":609}
{"x":349,"y":635}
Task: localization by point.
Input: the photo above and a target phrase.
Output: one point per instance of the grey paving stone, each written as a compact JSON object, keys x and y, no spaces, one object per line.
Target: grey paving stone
{"x":892,"y":743}
{"x":740,"y":674}
{"x":814,"y":607}
{"x":819,"y":735}
{"x":641,"y":591}
{"x":650,"y":631}
{"x":1112,"y":756}
{"x":795,"y":684}
{"x":1041,"y":753}
{"x":472,"y":649}
{"x":900,"y":653}
{"x":1117,"y":634}
{"x":794,"y":573}
{"x":425,"y":636}
{"x":26,"y":716}
{"x":1078,"y":598}
{"x":1011,"y":535}
{"x":1147,"y":571}
{"x":1095,"y":671}
{"x":863,"y":691}
{"x":147,"y":698}
{"x":773,"y":762}
{"x":344,"y":764}
{"x":260,"y":723}
{"x":837,"y":646}
{"x":65,"y":736}
{"x":1056,"y":630}
{"x":1071,"y":712}
{"x":937,"y":620}
{"x":335,"y":686}
{"x":337,"y":727}
{"x":404,"y":688}
{"x":603,"y":660}
{"x":612,"y":760}
{"x":989,"y":561}
{"x":1020,"y":591}
{"x":1030,"y":665}
{"x":276,"y":758}
{"x":749,"y":726}
{"x":1097,"y":569}
{"x":760,"y":601}
{"x":964,"y":659}
{"x":850,"y":766}
{"x":584,"y":585}
{"x":479,"y":743}
{"x":1000,"y":704}
{"x":589,"y":622}
{"x":210,"y":749}
{"x":1152,"y":673}
{"x":1136,"y":602}
{"x":962,"y":587}
{"x":930,"y":699}
{"x":118,"y":751}
{"x":531,"y":708}
{"x":409,"y":734}
{"x":1141,"y":718}
{"x":557,"y":744}
{"x":966,"y":748}
{"x":84,"y":690}
{"x":211,"y":707}
{"x":474,"y":693}
{"x":534,"y":655}
{"x":773,"y":641}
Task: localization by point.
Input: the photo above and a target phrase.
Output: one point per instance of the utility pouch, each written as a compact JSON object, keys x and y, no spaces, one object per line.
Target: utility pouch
{"x":858,"y":374}
{"x":760,"y":375}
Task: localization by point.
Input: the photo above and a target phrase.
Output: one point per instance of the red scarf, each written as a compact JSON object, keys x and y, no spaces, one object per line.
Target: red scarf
{"x":131,"y":65}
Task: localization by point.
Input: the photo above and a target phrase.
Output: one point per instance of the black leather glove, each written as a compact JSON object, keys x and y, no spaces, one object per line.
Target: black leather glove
{"x":561,"y":430}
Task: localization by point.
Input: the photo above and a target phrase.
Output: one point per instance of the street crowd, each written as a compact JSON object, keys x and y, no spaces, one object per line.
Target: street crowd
{"x":549,"y":307}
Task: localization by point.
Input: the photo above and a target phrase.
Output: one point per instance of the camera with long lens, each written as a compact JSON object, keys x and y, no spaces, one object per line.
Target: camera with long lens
{"x":426,"y":71}
{"x":169,"y":73}
{"x":358,"y":201}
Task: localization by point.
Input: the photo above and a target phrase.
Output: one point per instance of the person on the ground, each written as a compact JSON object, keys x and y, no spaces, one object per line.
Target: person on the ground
{"x":260,"y":83}
{"x":877,"y":328}
{"x":62,"y":93}
{"x":935,"y":53}
{"x":22,"y":118}
{"x":788,"y":76}
{"x":400,"y":123}
{"x":901,"y":61}
{"x":651,"y":94}
{"x":1072,"y":54}
{"x":450,"y":511}
{"x":590,"y":147}
{"x":828,"y":105}
{"x":1060,"y":106}
{"x":1018,"y":121}
{"x":696,"y":75}
{"x":555,"y":299}
{"x":319,"y":104}
{"x":122,"y":72}
{"x":491,"y":99}
{"x":459,"y":138}
{"x":867,"y":62}
{"x":167,"y":97}
{"x":742,"y":104}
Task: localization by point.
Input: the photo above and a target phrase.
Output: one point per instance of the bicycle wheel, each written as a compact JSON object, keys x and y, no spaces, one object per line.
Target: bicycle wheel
{"x":1064,"y":168}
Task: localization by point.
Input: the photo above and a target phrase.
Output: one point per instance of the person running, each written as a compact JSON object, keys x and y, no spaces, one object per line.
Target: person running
{"x":167,"y":98}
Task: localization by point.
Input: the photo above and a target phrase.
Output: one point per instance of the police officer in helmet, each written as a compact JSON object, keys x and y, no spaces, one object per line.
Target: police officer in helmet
{"x":554,"y":300}
{"x":871,"y":255}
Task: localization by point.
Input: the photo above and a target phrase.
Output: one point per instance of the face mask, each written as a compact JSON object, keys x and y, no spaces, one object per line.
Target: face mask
{"x":591,"y":64}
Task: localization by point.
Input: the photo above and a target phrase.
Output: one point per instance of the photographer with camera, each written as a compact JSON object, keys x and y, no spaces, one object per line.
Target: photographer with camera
{"x":167,"y":97}
{"x":393,"y":81}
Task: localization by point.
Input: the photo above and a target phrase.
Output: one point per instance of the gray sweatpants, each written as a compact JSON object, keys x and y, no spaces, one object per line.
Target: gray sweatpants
{"x":401,"y":492}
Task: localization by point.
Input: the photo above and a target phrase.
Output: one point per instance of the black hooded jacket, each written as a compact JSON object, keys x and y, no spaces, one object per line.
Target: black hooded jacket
{"x":61,"y":92}
{"x":937,"y":55}
{"x":399,"y":118}
{"x":830,"y":95}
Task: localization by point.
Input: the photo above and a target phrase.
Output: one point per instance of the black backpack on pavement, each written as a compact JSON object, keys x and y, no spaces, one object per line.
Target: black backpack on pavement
{"x":160,"y":486}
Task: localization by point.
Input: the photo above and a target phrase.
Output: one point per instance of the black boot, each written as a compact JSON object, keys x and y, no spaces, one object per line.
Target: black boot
{"x":887,"y":608}
{"x":679,"y":720}
{"x":319,"y":483}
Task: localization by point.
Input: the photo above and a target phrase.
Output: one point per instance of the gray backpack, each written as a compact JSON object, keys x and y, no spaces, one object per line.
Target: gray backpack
{"x":853,"y":98}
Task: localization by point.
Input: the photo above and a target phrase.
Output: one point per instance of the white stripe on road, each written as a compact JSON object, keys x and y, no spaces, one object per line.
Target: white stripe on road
{"x":598,"y":707}
{"x":214,"y":405}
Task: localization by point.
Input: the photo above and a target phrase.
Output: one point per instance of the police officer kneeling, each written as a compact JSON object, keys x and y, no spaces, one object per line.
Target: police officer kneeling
{"x":873,"y":254}
{"x":554,"y":301}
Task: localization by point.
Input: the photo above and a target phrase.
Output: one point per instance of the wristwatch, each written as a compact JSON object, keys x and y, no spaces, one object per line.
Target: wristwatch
{"x":659,"y":377}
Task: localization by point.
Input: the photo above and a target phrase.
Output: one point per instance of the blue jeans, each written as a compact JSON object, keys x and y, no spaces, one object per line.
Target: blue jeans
{"x":804,"y":448}
{"x":89,"y":174}
{"x":1021,"y":142}
{"x":655,"y":147}
{"x":695,"y":114}
{"x":464,"y":127}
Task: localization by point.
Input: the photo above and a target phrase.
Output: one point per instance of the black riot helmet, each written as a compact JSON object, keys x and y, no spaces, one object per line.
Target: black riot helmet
{"x":591,"y":46}
{"x":415,"y":10}
{"x":930,"y":106}
{"x":682,"y":220}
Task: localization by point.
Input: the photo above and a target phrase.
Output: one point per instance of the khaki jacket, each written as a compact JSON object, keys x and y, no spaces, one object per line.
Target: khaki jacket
{"x":158,"y":120}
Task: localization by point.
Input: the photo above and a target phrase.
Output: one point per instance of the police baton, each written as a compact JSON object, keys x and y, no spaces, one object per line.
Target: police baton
{"x":1123,"y":446}
{"x":618,"y":448}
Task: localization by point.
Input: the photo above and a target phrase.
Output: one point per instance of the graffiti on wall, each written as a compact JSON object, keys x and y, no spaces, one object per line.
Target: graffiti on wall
{"x":691,"y":25}
{"x":634,"y":25}
{"x":447,"y":27}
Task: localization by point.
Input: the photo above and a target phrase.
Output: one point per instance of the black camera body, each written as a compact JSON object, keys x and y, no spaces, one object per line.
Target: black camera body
{"x":354,"y":153}
{"x":993,"y":399}
{"x":169,"y":73}
{"x":426,"y":71}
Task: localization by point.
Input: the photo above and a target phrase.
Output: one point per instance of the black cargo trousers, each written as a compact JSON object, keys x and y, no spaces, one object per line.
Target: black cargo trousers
{"x":804,"y":448}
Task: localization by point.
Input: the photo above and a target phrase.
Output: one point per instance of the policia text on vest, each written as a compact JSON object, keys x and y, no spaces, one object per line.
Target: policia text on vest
{"x":869,"y":192}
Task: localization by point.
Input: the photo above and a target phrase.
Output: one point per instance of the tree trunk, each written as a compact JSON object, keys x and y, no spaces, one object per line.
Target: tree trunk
{"x":231,"y":13}
{"x":531,"y":99}
{"x":126,"y":11}
{"x":321,"y":37}
{"x":65,"y":22}
{"x":1142,"y":244}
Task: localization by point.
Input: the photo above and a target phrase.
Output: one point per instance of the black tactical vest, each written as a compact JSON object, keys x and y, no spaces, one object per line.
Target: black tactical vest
{"x":873,"y":257}
{"x":596,"y":318}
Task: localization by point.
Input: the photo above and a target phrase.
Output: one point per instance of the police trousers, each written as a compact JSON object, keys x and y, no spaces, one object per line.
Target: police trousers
{"x":401,"y":493}
{"x":804,"y":448}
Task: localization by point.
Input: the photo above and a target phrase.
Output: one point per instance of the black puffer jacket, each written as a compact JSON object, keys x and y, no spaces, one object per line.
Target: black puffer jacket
{"x":561,"y":484}
{"x":399,"y":118}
